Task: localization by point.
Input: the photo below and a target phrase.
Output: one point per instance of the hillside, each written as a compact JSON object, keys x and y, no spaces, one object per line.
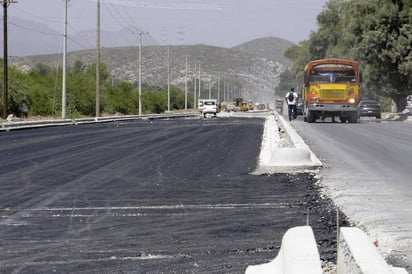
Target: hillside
{"x":250,"y":70}
{"x":270,"y":48}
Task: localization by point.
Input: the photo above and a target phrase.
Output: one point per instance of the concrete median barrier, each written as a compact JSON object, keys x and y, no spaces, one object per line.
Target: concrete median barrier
{"x":285,"y":156}
{"x":298,"y":254}
{"x":358,"y":255}
{"x":276,"y":157}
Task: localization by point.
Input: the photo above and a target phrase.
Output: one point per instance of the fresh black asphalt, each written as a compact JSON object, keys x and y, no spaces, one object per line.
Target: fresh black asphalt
{"x":161,"y":196}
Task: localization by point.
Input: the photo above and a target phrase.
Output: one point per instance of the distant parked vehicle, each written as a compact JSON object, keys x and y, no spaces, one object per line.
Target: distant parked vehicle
{"x":299,"y":107}
{"x":260,"y":106}
{"x":369,"y":108}
{"x":230,"y":107}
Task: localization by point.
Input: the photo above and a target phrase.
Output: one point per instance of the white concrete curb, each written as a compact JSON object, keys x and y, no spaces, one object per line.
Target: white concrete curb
{"x":298,"y":254}
{"x":311,"y":159}
{"x":275,"y":158}
{"x":358,"y":255}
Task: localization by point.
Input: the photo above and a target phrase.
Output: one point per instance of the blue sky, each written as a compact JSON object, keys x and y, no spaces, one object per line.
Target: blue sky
{"x":215,"y":22}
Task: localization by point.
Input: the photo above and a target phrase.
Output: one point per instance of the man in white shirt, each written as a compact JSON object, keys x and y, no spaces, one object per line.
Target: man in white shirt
{"x":292,"y":100}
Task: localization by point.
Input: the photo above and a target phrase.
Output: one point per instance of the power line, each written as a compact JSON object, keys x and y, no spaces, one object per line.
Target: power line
{"x":128,"y":16}
{"x":34,"y":30}
{"x":53,"y":34}
{"x":38,"y":17}
{"x":88,"y":43}
{"x":77,"y":43}
{"x":127,"y":25}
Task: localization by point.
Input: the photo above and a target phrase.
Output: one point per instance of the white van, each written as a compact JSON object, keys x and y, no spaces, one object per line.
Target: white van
{"x":209,"y":107}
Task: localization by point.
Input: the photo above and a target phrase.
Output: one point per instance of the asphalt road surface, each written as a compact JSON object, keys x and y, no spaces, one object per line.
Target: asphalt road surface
{"x":367,"y":172}
{"x":170,"y":196}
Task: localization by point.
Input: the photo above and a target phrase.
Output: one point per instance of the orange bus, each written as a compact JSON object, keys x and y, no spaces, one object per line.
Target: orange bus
{"x":331,"y":89}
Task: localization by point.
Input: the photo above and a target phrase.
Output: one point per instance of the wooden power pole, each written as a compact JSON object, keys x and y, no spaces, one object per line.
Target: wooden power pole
{"x":5,"y":57}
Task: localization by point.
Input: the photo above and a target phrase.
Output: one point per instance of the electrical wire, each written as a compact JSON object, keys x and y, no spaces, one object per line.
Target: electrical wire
{"x":79,"y":35}
{"x":126,"y":24}
{"x":34,"y":30}
{"x":32,"y":15}
{"x":115,"y":14}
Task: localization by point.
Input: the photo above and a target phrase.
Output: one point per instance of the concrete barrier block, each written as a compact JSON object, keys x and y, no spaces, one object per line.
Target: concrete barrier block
{"x":358,"y":255}
{"x":298,"y":254}
{"x":294,"y":156}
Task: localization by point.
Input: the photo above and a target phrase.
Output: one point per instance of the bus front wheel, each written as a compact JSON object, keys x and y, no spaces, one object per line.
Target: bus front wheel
{"x":311,"y":118}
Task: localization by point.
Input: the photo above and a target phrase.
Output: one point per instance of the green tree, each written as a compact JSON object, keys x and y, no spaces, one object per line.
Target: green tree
{"x":327,"y":36}
{"x":122,"y":98}
{"x":40,"y":90}
{"x":81,"y":88}
{"x":286,"y":81}
{"x":383,"y":46}
{"x":43,"y":92}
{"x":300,"y":56}
{"x":18,"y":91}
{"x":377,"y":34}
{"x":154,"y":101}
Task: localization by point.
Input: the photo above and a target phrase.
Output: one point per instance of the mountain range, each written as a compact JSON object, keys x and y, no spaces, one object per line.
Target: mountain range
{"x":250,"y":70}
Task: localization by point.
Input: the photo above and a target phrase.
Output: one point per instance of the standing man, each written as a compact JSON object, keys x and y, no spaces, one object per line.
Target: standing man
{"x":292,"y":100}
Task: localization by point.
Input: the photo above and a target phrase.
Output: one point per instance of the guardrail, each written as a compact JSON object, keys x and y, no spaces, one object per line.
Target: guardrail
{"x":13,"y":125}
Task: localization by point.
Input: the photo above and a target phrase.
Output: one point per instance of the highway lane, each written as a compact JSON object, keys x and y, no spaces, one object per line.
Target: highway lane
{"x":162,"y":196}
{"x":367,"y":172}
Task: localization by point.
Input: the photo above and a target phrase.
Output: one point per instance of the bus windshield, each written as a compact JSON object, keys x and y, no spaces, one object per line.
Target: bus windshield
{"x":332,"y":76}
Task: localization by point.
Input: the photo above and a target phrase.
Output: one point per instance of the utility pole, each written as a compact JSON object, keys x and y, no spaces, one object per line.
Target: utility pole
{"x":224,"y":89}
{"x":210,"y":89}
{"x":140,"y":70}
{"x":186,"y":86}
{"x":140,"y":73}
{"x":200,"y":83}
{"x":194,"y":89}
{"x":218,"y":90}
{"x":168,"y":78}
{"x":5,"y":57}
{"x":98,"y":61}
{"x":64,"y":62}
